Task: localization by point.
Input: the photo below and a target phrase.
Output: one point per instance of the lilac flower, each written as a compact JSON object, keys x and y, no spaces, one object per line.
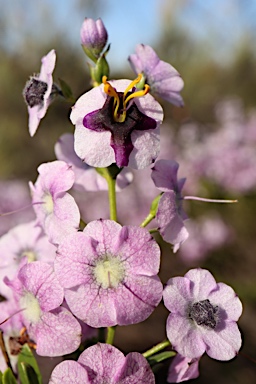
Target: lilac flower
{"x":56,"y":210}
{"x":117,"y":125}
{"x":24,"y":240}
{"x":86,"y":177}
{"x":206,"y":234}
{"x":203,"y":316}
{"x":53,"y":328}
{"x":37,"y":92}
{"x":163,"y":79}
{"x":94,"y":37}
{"x":170,"y":214}
{"x":109,"y":274}
{"x":103,"y":363}
{"x":182,"y":369}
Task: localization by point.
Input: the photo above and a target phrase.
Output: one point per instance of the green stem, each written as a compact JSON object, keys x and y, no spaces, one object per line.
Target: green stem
{"x":157,"y":348}
{"x":147,"y":220}
{"x":110,"y":335}
{"x":112,"y":197}
{"x":110,"y":174}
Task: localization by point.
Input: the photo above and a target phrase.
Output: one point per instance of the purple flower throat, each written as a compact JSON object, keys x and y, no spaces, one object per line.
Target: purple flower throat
{"x":120,"y":116}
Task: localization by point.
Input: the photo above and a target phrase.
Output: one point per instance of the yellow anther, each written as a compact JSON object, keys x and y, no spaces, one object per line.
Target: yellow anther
{"x":120,"y":115}
{"x":143,"y":92}
{"x":109,"y":90}
{"x":133,"y":83}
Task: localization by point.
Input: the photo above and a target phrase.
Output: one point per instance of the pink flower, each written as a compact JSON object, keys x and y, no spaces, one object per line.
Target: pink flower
{"x":103,"y":363}
{"x":37,"y":92}
{"x":56,"y":210}
{"x":109,"y":274}
{"x":163,"y":79}
{"x":203,"y":316}
{"x":53,"y":328}
{"x":115,"y":124}
{"x":24,"y":240}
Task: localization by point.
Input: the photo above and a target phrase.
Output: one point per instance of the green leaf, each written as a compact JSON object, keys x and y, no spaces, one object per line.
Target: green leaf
{"x":26,"y":356}
{"x":8,"y":377}
{"x":27,"y":374}
{"x":66,"y":90}
{"x":1,"y":378}
{"x":160,"y":357}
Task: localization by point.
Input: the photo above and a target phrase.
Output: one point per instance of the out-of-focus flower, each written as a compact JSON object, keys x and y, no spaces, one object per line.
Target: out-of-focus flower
{"x":103,"y":363}
{"x":182,"y":369}
{"x":94,"y":37}
{"x":24,"y":240}
{"x":116,"y":124}
{"x":56,"y":210}
{"x":38,"y":92}
{"x":53,"y":328}
{"x":21,"y":208}
{"x":170,"y":214}
{"x":163,"y":79}
{"x":206,"y":234}
{"x":86,"y":177}
{"x":109,"y":274}
{"x":203,"y":316}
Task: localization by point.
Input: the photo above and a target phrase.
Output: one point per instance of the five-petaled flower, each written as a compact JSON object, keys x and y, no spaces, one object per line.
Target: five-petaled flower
{"x":38,"y":92}
{"x":164,"y":80}
{"x":109,"y":273}
{"x":103,"y":363}
{"x":56,"y":210}
{"x":117,"y":124}
{"x":39,"y":296}
{"x":203,"y":316}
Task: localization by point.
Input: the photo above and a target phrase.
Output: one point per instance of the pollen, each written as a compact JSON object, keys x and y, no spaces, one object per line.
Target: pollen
{"x":31,"y":307}
{"x":109,"y":272}
{"x":29,"y":254}
{"x":48,"y":203}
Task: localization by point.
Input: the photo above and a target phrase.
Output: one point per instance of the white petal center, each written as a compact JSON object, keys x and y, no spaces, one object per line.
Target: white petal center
{"x":109,"y":272}
{"x":31,"y":307}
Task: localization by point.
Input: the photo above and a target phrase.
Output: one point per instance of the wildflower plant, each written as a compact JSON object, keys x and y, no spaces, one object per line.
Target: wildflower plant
{"x":63,"y":276}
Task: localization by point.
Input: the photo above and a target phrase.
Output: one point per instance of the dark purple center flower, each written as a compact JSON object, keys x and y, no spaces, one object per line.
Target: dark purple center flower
{"x":121,"y":120}
{"x":204,"y":313}
{"x":34,"y":92}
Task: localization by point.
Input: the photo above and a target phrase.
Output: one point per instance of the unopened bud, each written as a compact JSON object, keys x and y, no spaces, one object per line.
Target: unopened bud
{"x":94,"y":37}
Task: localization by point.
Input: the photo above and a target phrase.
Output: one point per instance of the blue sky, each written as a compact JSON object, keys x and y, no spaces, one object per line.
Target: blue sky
{"x":130,"y":22}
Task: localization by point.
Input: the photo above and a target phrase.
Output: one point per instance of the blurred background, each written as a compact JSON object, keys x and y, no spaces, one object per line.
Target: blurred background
{"x":212,"y":44}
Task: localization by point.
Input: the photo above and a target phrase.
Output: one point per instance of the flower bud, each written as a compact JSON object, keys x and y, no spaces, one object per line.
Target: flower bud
{"x":93,"y":37}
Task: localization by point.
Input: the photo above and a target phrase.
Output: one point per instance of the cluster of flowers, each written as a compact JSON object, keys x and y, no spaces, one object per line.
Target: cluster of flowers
{"x":63,"y":278}
{"x":223,"y":154}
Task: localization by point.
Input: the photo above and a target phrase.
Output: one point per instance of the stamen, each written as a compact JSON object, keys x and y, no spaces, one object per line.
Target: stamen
{"x":133,"y":83}
{"x":143,"y":92}
{"x":109,"y":90}
{"x":120,"y":115}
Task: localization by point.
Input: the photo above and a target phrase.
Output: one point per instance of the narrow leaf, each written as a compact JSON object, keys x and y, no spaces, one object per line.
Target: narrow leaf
{"x":27,"y":374}
{"x":8,"y":377}
{"x":26,"y":356}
